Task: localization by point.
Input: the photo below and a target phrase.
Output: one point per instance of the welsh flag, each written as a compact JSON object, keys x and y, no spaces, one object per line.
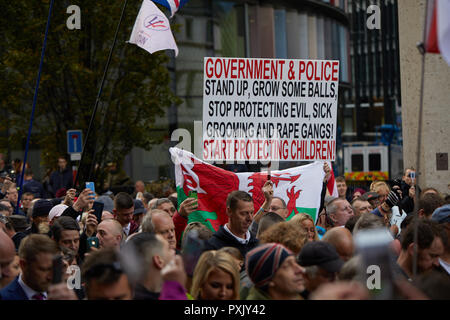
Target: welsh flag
{"x":299,"y":187}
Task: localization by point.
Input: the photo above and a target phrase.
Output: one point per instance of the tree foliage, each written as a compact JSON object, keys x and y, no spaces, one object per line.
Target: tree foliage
{"x":136,"y":90}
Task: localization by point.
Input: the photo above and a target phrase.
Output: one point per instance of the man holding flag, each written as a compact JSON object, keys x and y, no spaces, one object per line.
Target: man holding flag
{"x":300,"y":187}
{"x":236,"y":232}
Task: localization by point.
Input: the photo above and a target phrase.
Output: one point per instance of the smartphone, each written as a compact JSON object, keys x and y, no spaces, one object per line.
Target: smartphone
{"x":57,"y":269}
{"x":92,"y":242}
{"x":192,"y":249}
{"x":377,"y":270}
{"x":91,"y":185}
{"x":98,"y":210}
{"x":193,"y":194}
{"x":412,"y":175}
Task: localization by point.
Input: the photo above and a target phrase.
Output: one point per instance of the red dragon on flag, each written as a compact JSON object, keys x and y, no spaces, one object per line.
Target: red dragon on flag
{"x":299,"y":187}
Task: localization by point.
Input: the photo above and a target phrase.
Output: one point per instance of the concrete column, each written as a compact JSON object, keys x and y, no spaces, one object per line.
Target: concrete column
{"x":436,"y":115}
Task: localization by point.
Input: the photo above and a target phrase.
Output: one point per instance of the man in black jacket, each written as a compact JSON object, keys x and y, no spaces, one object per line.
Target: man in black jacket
{"x":235,"y":233}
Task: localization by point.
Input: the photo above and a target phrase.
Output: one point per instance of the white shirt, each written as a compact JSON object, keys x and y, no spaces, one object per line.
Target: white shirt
{"x":243,"y":241}
{"x":445,"y":265}
{"x":126,"y":229}
{"x":28,"y":291}
{"x":397,"y":218}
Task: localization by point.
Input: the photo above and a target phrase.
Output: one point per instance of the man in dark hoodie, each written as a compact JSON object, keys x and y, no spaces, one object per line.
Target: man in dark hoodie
{"x":235,"y":233}
{"x":61,"y":178}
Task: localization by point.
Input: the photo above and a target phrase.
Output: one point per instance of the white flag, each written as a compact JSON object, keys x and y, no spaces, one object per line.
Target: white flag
{"x":443,"y":12}
{"x":151,"y":30}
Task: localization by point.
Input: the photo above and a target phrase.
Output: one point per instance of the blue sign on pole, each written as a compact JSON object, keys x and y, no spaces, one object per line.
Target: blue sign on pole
{"x":74,"y":141}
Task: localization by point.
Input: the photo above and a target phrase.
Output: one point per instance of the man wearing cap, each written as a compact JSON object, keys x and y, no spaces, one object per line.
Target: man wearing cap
{"x":322,"y":264}
{"x":56,"y":212}
{"x":372,"y":198}
{"x":39,"y":217}
{"x":442,"y":217}
{"x":139,"y":211}
{"x":274,"y":273}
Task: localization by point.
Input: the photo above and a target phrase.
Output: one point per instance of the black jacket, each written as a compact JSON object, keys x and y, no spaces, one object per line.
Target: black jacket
{"x":222,"y":238}
{"x":407,"y":203}
{"x":60,"y":179}
{"x":142,"y":293}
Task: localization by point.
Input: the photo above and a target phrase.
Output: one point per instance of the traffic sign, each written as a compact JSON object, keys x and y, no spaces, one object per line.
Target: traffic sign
{"x":74,"y":141}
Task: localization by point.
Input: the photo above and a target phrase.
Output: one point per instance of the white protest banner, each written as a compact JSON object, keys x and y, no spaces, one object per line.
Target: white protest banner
{"x":269,"y":109}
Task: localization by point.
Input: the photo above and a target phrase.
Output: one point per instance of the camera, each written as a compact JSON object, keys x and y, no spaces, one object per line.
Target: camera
{"x":396,"y":182}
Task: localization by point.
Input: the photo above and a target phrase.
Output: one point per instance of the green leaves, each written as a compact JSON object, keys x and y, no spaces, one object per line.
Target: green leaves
{"x":136,"y":92}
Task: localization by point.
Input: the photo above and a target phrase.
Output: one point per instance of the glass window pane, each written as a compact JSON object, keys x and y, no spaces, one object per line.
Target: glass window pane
{"x":374,"y":162}
{"x":280,"y":34}
{"x":229,"y":18}
{"x":357,"y":162}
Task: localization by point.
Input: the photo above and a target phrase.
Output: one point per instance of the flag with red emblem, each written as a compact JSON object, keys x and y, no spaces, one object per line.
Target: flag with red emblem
{"x":300,"y":187}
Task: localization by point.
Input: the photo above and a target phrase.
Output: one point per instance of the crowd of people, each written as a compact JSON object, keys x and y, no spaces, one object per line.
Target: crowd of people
{"x":57,"y":247}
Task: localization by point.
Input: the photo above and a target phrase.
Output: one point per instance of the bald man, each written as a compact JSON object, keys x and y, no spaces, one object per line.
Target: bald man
{"x":139,"y":186}
{"x":163,"y":224}
{"x":342,"y":240}
{"x":110,"y":234}
{"x":7,"y":253}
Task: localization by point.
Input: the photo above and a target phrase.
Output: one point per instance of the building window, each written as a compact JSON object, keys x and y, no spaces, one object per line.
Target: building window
{"x":229,"y":36}
{"x":357,"y":162}
{"x":188,"y":24}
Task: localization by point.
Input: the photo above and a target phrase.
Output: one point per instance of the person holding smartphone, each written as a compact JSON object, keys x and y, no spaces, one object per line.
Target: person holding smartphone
{"x":408,"y":188}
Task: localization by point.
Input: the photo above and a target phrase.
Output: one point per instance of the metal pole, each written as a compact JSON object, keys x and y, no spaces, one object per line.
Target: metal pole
{"x":422,"y":50}
{"x":99,"y":94}
{"x":36,"y":91}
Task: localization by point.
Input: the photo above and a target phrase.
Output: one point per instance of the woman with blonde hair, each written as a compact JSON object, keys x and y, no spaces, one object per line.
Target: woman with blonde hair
{"x":216,"y":277}
{"x":382,"y":188}
{"x":306,"y":222}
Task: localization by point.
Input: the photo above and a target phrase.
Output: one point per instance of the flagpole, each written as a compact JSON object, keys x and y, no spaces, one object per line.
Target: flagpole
{"x":99,"y":95}
{"x":36,"y":91}
{"x":422,"y":50}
